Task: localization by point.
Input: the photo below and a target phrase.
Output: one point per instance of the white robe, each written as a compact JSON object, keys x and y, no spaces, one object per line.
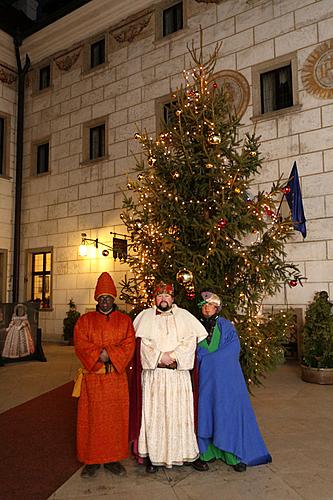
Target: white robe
{"x":167,"y":428}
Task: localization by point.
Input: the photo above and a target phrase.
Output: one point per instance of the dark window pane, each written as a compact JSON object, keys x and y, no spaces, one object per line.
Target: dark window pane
{"x":169,"y":113}
{"x":2,"y":145}
{"x":97,"y":53}
{"x":97,"y":142}
{"x":276,"y":89}
{"x":173,"y":19}
{"x":42,"y":158}
{"x":44,"y":77}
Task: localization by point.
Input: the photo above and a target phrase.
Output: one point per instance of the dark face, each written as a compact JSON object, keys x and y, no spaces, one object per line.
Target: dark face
{"x":105,"y":303}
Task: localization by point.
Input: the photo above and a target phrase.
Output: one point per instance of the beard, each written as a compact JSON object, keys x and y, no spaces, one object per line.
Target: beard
{"x":164,"y":306}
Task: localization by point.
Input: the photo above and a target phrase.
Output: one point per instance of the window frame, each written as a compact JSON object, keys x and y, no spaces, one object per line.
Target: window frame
{"x":87,"y":52}
{"x":34,"y":157}
{"x":36,"y":74}
{"x":4,"y":262}
{"x":5,"y":153}
{"x":31,"y":253}
{"x":265,"y":67}
{"x":159,"y":18}
{"x":160,"y":104}
{"x":86,"y":148}
{"x":42,"y":68}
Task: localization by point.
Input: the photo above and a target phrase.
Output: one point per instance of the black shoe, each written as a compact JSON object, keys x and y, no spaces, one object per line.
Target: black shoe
{"x":150,"y":468}
{"x":199,"y":465}
{"x":240,"y":467}
{"x":116,"y":468}
{"x":90,"y":470}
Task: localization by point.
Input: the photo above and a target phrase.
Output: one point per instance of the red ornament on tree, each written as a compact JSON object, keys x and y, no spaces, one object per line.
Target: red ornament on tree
{"x":215,"y":85}
{"x":222,"y":223}
{"x":268,"y":212}
{"x":190,"y":295}
{"x":286,"y":190}
{"x":292,"y":283}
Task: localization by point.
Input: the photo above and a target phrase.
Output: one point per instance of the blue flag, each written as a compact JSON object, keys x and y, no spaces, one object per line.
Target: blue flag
{"x":295,"y":202}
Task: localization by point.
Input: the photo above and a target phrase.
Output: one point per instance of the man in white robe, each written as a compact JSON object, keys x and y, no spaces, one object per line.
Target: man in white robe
{"x":169,"y":336}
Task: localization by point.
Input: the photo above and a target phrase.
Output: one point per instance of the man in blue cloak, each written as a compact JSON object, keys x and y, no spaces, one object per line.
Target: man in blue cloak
{"x":227,"y":426}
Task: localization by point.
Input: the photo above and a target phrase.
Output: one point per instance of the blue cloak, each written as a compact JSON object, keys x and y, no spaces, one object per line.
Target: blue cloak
{"x":225,"y":414}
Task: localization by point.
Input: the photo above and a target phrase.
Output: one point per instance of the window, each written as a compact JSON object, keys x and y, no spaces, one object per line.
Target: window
{"x":274,"y":86}
{"x":97,"y":53}
{"x":97,"y":142}
{"x":173,"y":19}
{"x":276,"y":89}
{"x":3,"y":275}
{"x":41,"y":278}
{"x":94,"y":140}
{"x":169,"y":112}
{"x":44,"y":77}
{"x":42,"y":158}
{"x":2,"y":145}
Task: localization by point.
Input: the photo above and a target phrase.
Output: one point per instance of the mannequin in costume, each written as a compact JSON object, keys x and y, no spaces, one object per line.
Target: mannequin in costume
{"x":227,"y":427}
{"x":18,"y":343}
{"x":104,"y":342}
{"x":169,"y":338}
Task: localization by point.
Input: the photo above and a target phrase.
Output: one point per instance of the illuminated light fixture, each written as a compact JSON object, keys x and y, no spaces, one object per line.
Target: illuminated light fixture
{"x":85,"y":242}
{"x":89,"y":246}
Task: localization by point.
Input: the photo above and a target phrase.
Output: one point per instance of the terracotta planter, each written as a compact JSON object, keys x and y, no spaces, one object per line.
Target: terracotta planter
{"x":317,"y":375}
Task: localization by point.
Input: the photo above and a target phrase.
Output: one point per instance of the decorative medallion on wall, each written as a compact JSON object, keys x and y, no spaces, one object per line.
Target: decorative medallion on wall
{"x":7,"y":75}
{"x":131,"y":27}
{"x":66,"y":60}
{"x":237,"y":88}
{"x":317,"y":71}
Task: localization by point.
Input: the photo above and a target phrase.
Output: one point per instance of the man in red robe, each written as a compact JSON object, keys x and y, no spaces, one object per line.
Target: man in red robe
{"x":104,"y":342}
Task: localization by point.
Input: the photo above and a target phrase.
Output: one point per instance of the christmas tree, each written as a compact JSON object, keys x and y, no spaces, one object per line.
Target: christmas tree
{"x":194,"y":221}
{"x":318,"y":333}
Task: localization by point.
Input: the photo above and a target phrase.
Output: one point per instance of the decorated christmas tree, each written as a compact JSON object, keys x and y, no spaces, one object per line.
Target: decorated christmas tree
{"x":195,"y":220}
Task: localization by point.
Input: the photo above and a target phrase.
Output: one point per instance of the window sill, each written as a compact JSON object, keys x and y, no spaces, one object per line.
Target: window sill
{"x":87,"y":71}
{"x":37,"y":92}
{"x":86,"y":163}
{"x":34,"y":175}
{"x":277,"y":113}
{"x":160,"y":40}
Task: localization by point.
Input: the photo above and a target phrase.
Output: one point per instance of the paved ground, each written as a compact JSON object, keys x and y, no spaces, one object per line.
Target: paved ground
{"x":296,"y":420}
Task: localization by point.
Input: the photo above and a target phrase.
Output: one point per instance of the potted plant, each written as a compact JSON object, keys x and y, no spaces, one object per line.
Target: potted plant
{"x":69,"y":322}
{"x":317,"y":352}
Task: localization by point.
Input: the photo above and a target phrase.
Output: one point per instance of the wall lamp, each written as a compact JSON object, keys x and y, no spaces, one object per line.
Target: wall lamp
{"x":118,"y":248}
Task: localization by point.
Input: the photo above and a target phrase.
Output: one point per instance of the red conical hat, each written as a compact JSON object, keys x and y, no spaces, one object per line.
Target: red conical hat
{"x":105,"y":286}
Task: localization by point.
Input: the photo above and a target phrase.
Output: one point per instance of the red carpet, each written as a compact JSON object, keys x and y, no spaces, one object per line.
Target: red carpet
{"x":37,"y":445}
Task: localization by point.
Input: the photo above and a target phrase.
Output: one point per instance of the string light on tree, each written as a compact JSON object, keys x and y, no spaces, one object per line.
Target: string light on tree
{"x":206,"y":231}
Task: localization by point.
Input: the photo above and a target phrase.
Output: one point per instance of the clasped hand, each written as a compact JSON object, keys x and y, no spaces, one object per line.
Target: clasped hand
{"x":166,"y":359}
{"x":103,"y":356}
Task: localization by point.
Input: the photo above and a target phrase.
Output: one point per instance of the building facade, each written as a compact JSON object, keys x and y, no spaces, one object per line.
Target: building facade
{"x":107,"y":70}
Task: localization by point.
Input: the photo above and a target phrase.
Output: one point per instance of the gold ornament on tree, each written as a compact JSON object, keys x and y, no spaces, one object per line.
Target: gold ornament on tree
{"x":184,"y":276}
{"x":214,"y":138}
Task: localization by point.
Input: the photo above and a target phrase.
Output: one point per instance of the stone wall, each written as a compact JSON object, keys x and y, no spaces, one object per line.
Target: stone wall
{"x":85,"y":197}
{"x":7,"y":186}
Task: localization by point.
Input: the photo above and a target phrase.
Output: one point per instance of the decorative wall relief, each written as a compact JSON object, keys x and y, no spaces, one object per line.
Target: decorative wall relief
{"x":317,"y":71}
{"x":7,"y":75}
{"x":66,"y":60}
{"x":237,"y":88}
{"x":131,"y":27}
